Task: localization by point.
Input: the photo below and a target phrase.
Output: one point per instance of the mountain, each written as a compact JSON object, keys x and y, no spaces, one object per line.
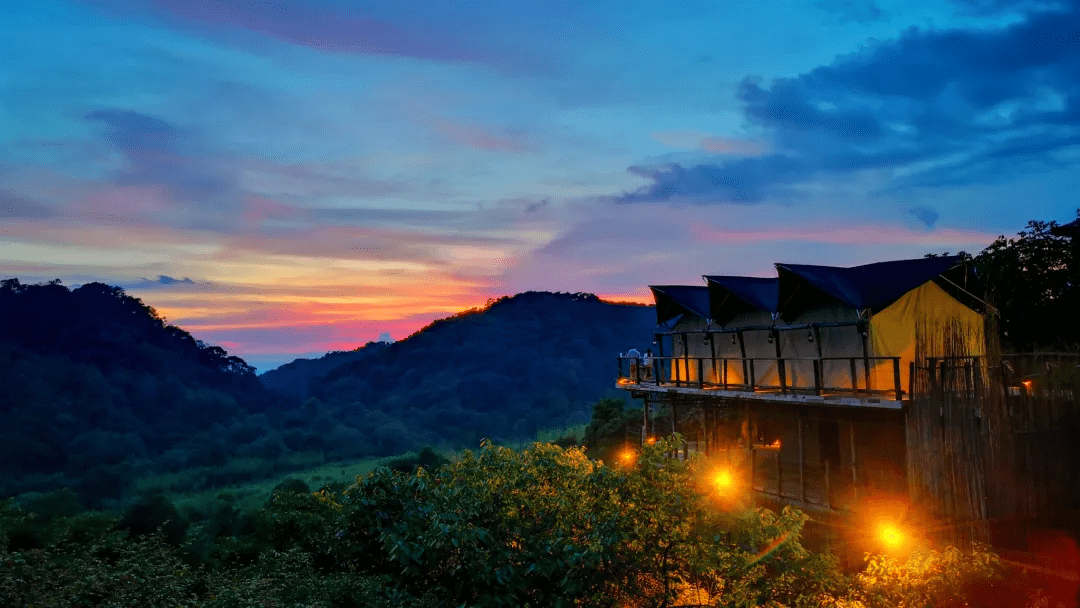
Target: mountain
{"x":296,"y":377}
{"x":529,"y":361}
{"x":99,"y":389}
{"x":101,"y":394}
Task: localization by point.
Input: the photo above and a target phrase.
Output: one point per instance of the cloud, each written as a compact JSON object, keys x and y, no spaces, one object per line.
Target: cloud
{"x":926,"y":215}
{"x":931,"y":108}
{"x":335,"y":29}
{"x":715,"y":144}
{"x":15,"y":206}
{"x":167,"y":280}
{"x":476,"y":136}
{"x":855,"y":10}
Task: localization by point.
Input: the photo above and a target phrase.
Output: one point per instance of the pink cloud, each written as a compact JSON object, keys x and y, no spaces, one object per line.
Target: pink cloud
{"x":715,"y":144}
{"x":475,"y":136}
{"x":310,"y":24}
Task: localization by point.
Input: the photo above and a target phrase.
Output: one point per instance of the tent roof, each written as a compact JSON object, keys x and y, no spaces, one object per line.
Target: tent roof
{"x":729,"y":296}
{"x":872,"y":286}
{"x":675,"y":300}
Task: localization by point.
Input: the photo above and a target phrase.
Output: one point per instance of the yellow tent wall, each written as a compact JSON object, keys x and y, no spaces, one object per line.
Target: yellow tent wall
{"x":936,"y":314}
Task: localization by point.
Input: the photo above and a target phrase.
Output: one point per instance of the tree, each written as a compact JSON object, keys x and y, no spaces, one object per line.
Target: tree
{"x":1032,"y":281}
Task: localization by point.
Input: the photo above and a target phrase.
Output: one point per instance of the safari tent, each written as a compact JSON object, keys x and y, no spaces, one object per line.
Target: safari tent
{"x":874,"y":311}
{"x":774,"y":331}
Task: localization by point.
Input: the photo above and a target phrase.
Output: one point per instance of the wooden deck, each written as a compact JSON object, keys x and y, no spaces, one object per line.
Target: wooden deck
{"x":837,"y":399}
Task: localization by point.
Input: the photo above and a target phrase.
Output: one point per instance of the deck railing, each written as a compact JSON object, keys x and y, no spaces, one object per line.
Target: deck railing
{"x":749,"y":374}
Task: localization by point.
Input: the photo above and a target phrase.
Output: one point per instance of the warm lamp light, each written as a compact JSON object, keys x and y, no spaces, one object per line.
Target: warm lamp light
{"x":627,"y":456}
{"x":890,"y":535}
{"x":724,"y":481}
{"x":650,"y":440}
{"x":1026,"y":383}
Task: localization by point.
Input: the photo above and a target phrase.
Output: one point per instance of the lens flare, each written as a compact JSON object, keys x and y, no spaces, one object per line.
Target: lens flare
{"x":891,"y":536}
{"x":723,"y":481}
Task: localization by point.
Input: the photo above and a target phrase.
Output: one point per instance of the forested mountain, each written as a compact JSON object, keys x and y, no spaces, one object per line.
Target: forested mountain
{"x":99,"y":390}
{"x":528,"y":361}
{"x":296,"y":377}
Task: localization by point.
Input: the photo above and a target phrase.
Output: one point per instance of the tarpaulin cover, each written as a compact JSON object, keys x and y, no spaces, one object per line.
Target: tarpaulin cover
{"x":729,"y":296}
{"x":872,"y":286}
{"x":675,"y":300}
{"x":932,"y":311}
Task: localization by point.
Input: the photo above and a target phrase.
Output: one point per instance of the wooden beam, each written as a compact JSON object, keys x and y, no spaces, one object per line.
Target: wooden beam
{"x":745,"y":367}
{"x":802,"y":458}
{"x":854,"y":478}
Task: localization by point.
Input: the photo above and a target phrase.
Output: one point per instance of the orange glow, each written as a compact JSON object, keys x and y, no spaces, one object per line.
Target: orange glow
{"x":1026,"y":383}
{"x":627,"y":456}
{"x":624,"y":381}
{"x":651,"y":441}
{"x":776,"y":443}
{"x":890,"y":535}
{"x":724,"y":481}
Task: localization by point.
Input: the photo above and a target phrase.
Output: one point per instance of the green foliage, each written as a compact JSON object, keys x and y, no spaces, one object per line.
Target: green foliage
{"x":1034,"y":281}
{"x":924,"y":578}
{"x":542,"y":526}
{"x":611,"y":427}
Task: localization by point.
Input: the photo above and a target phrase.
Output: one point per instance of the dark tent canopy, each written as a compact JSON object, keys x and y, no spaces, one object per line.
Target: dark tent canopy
{"x":730,"y":296}
{"x":675,"y":300}
{"x":871,"y":286}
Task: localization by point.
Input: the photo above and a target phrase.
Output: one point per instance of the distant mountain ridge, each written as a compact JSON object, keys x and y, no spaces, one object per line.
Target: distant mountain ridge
{"x":528,"y":361}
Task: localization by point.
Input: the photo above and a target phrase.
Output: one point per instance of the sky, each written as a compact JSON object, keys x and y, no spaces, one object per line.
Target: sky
{"x":286,"y":178}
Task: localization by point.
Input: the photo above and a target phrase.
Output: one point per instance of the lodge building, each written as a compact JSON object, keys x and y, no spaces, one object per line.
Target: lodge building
{"x":838,"y":388}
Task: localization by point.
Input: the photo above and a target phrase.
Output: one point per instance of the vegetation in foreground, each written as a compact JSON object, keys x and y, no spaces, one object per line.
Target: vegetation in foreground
{"x":543,"y":526}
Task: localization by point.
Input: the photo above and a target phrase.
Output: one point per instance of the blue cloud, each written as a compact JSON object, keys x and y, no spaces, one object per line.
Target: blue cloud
{"x":948,"y":107}
{"x":926,"y":215}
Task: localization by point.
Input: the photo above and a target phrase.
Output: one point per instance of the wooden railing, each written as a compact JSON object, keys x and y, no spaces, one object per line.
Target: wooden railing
{"x":745,"y":374}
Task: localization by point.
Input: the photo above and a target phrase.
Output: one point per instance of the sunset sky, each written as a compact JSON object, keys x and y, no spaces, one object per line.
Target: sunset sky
{"x":285,"y":178}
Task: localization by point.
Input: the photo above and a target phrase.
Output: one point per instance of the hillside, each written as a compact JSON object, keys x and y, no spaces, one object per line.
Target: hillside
{"x":98,"y":389}
{"x":528,"y":361}
{"x":296,"y":377}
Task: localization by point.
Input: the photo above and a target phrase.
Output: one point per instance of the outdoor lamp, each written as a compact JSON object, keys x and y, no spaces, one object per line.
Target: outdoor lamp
{"x":770,"y":337}
{"x":733,"y":341}
{"x":706,"y":340}
{"x":810,"y":336}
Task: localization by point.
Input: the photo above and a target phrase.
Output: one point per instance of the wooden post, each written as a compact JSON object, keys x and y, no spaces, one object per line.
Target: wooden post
{"x":896,"y":378}
{"x":700,"y":373}
{"x":753,"y":467}
{"x":779,"y":476}
{"x":854,"y":376}
{"x":911,"y":381}
{"x":828,"y":490}
{"x":686,"y":356}
{"x":866,"y":354}
{"x":780,"y":368}
{"x":802,"y":458}
{"x":712,"y":351}
{"x":645,"y":418}
{"x":673,"y":417}
{"x":746,"y":370}
{"x":817,"y":376}
{"x":659,"y":357}
{"x":725,"y":373}
{"x":854,"y":479}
